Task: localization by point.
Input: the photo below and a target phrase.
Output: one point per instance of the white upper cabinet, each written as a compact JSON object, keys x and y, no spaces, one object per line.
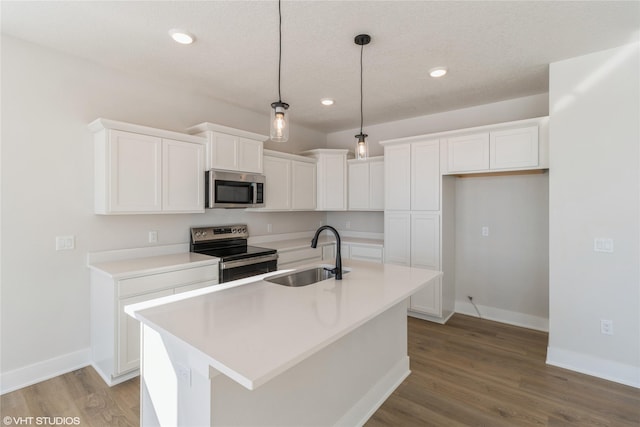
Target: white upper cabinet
{"x":397,"y":177}
{"x":514,"y":148}
{"x":303,"y":185}
{"x":290,"y":182}
{"x":412,"y":176}
{"x":182,"y":181}
{"x":331,"y":178}
{"x":503,"y":147}
{"x":231,"y":149}
{"x":425,"y":176}
{"x":145,"y":170}
{"x":468,"y":152}
{"x":366,"y":184}
{"x":277,"y":192}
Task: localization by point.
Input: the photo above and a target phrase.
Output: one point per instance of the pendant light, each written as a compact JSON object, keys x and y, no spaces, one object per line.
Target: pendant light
{"x":279,"y":117}
{"x":362,"y":151}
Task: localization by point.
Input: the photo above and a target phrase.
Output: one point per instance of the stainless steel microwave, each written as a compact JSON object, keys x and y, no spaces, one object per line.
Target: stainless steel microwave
{"x":224,"y":189}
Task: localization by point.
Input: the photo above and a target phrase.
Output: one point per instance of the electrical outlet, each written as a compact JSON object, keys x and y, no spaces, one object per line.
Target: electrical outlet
{"x":485,"y":231}
{"x":184,"y":374}
{"x":606,"y":327}
{"x":269,"y":228}
{"x":65,"y":243}
{"x":153,"y":236}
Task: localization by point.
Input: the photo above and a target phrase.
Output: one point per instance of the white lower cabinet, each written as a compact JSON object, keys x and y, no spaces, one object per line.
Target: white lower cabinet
{"x":428,"y":300}
{"x":413,"y":239}
{"x":115,"y":336}
{"x":129,"y":332}
{"x":291,"y":258}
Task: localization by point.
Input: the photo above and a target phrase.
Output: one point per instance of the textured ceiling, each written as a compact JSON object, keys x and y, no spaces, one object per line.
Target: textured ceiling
{"x":494,"y":50}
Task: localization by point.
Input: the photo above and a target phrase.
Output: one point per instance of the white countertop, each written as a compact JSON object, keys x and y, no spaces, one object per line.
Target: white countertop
{"x":252,"y":330}
{"x":152,"y":265}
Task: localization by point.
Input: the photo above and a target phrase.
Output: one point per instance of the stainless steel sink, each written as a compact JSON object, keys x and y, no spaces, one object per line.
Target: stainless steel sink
{"x":302,"y":277}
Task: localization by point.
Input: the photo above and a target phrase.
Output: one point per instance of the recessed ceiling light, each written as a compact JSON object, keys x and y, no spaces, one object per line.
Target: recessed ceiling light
{"x":181,"y":36}
{"x":326,"y":101}
{"x":438,"y":71}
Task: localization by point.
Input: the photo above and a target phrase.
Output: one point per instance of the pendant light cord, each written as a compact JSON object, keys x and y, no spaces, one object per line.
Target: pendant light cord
{"x":279,"y":47}
{"x":361,"y":114}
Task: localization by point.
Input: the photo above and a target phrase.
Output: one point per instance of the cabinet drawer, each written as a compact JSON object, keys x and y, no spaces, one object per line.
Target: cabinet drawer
{"x":299,"y":255}
{"x":366,"y":253}
{"x":171,"y":279}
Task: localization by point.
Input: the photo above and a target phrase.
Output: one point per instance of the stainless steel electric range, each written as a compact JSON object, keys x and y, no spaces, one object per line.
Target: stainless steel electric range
{"x":237,"y":259}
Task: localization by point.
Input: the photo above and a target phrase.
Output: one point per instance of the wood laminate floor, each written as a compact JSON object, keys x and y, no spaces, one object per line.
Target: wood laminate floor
{"x":470,"y":372}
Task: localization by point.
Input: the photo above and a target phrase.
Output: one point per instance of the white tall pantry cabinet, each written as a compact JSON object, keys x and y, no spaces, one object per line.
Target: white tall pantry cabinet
{"x":413,"y":215}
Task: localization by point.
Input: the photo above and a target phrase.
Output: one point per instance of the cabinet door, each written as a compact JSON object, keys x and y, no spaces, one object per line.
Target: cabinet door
{"x":514,"y":148}
{"x":332,"y":182}
{"x":224,"y":151}
{"x":376,"y":186}
{"x":397,"y":238}
{"x":277,"y":193}
{"x":366,"y":253}
{"x":128,"y":350}
{"x":135,"y":177}
{"x":182,"y":176}
{"x":468,"y":153}
{"x":359,"y":185}
{"x":397,"y":177}
{"x":425,"y":176}
{"x":249,"y":155}
{"x":329,"y":253}
{"x":425,"y":241}
{"x":303,"y":185}
{"x":425,"y":253}
{"x":428,"y":300}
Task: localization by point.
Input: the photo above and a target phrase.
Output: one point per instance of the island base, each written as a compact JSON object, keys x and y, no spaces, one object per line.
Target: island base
{"x":342,"y":384}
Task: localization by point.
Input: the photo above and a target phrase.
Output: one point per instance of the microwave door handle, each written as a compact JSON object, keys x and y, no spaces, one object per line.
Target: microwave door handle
{"x":254,"y":187}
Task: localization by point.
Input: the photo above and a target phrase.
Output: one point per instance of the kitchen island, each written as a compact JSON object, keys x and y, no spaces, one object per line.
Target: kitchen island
{"x":254,"y":353}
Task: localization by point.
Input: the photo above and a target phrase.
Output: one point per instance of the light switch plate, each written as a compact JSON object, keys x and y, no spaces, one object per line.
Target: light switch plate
{"x":601,"y":244}
{"x":65,"y":243}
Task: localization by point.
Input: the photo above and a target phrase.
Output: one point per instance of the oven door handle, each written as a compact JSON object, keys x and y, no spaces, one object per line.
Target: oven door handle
{"x":248,"y":261}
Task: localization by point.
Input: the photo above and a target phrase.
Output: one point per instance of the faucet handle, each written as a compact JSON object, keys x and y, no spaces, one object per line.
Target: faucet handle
{"x":332,"y":270}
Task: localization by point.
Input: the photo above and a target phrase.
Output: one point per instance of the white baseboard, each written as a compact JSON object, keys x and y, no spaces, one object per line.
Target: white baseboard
{"x":594,"y":366}
{"x":41,"y":371}
{"x":370,"y":402}
{"x":504,"y":316}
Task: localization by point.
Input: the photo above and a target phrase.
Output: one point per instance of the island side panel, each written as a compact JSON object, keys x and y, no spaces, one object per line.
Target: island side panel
{"x":175,"y":382}
{"x":342,"y":384}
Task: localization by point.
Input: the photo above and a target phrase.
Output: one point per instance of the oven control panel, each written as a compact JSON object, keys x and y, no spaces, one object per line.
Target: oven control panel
{"x":203,"y":234}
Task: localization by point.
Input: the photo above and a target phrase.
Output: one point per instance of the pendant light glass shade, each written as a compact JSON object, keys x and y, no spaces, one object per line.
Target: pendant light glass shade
{"x":362,"y":150}
{"x":279,"y":122}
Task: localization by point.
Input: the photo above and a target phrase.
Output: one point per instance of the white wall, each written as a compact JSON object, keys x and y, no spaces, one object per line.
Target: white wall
{"x":506,"y":272}
{"x":595,"y":163}
{"x":47,"y":190}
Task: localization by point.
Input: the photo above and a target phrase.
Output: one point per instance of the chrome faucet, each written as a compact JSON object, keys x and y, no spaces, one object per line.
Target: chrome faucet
{"x":314,"y":243}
